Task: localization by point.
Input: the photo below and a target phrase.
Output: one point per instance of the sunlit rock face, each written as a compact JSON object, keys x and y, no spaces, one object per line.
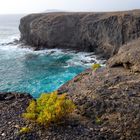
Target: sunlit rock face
{"x":99,"y":32}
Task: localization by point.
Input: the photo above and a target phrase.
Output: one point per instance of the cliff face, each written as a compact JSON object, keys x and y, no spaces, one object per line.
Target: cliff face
{"x":100,"y":32}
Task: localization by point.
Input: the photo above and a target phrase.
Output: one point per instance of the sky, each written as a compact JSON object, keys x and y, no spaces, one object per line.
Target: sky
{"x":33,"y":6}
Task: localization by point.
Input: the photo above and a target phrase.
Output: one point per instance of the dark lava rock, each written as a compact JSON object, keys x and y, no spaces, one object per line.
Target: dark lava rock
{"x":112,"y":105}
{"x":127,"y":57}
{"x":12,"y":105}
{"x":15,"y":42}
{"x":98,"y":32}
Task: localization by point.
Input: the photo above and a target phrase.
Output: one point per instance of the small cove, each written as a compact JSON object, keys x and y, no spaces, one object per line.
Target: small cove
{"x":35,"y":72}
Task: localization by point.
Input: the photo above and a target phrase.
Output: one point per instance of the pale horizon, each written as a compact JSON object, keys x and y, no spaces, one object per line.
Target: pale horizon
{"x":32,"y":6}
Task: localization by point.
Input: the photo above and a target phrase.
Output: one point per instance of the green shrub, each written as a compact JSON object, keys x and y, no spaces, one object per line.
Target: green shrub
{"x":24,"y":130}
{"x":95,"y":67}
{"x":49,"y":108}
{"x":98,"y":120}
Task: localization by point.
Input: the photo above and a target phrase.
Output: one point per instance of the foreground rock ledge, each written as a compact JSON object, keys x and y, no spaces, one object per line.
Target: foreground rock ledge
{"x":111,"y":94}
{"x":98,"y":32}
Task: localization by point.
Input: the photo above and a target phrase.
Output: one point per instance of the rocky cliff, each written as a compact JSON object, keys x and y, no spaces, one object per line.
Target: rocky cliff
{"x":108,"y":100}
{"x":100,"y":32}
{"x":112,"y":94}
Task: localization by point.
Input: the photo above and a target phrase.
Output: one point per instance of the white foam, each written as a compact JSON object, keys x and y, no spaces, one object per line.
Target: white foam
{"x":9,"y":39}
{"x":81,"y":58}
{"x":86,"y":59}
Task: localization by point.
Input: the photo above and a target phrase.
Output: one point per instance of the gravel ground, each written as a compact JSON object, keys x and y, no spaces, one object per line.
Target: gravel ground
{"x":109,"y":97}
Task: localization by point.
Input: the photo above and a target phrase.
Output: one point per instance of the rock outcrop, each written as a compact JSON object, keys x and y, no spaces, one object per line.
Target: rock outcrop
{"x":100,"y":32}
{"x":110,"y":97}
{"x":128,"y":57}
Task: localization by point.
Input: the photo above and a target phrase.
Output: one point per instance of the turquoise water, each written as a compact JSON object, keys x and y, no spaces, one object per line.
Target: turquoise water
{"x":34,"y":72}
{"x":25,"y":71}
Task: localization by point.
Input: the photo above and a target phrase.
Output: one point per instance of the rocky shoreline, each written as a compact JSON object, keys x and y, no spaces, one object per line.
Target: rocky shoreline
{"x":108,"y":100}
{"x":108,"y":104}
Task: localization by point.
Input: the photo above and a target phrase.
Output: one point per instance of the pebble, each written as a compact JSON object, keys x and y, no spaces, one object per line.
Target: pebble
{"x":3,"y":134}
{"x":91,"y":129}
{"x":9,"y":122}
{"x":17,"y":126}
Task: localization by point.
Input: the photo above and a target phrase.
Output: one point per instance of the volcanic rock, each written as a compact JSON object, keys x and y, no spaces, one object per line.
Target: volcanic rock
{"x":98,"y":32}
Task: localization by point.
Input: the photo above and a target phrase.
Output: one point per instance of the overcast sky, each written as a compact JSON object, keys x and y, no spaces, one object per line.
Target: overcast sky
{"x":30,"y":6}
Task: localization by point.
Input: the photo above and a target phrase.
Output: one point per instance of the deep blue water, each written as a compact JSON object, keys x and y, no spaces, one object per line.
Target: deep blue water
{"x":34,"y":72}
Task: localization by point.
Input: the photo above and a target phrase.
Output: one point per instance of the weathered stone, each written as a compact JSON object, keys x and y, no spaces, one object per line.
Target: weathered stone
{"x":98,"y":32}
{"x":117,"y":102}
{"x":127,"y":57}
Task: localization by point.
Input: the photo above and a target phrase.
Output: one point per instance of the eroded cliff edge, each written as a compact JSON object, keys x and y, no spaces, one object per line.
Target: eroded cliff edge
{"x":99,"y":32}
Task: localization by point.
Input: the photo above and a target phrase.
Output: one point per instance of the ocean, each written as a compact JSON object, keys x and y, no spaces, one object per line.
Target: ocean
{"x":35,"y":72}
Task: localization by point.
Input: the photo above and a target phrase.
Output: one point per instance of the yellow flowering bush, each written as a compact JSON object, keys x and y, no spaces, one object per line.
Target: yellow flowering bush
{"x":95,"y":67}
{"x":49,"y":108}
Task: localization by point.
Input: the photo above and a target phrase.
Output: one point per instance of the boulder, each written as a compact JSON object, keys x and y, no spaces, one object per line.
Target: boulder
{"x":128,"y":57}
